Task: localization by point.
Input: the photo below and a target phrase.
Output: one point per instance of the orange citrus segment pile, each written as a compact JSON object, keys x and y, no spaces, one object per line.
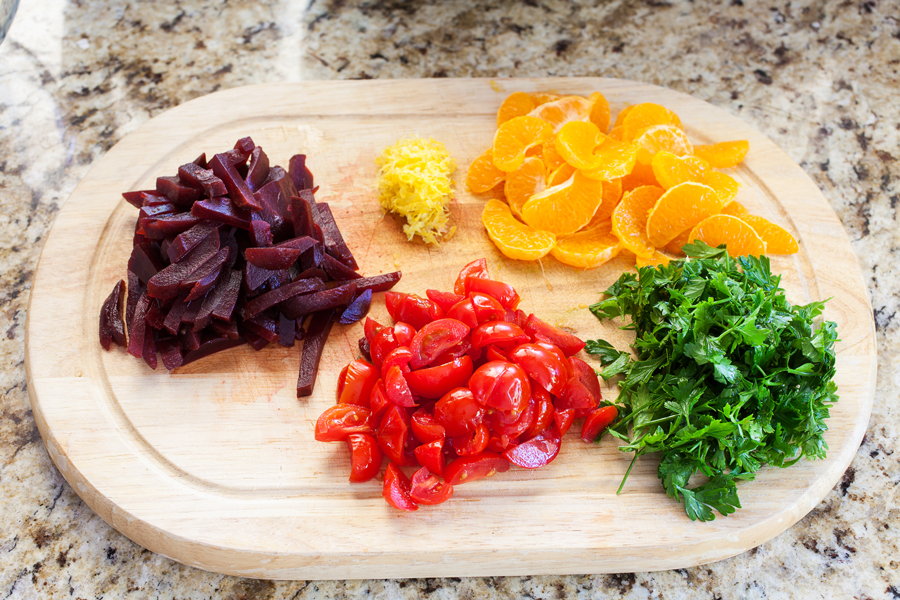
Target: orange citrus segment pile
{"x":585,"y":190}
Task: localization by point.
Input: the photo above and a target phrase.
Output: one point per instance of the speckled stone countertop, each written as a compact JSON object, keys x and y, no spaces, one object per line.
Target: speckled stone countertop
{"x":819,"y":78}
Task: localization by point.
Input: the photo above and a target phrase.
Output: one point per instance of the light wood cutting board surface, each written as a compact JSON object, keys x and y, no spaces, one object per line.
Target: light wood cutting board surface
{"x":215,"y":464}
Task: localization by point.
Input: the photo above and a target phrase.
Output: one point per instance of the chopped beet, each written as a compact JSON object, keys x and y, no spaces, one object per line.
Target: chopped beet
{"x":156,"y":315}
{"x":338,"y":270}
{"x":274,"y":202}
{"x":204,"y":315}
{"x":184,"y":241}
{"x":163,"y":227}
{"x":301,"y":176}
{"x":273,"y":258}
{"x":260,"y":232}
{"x":138,"y":328}
{"x":287,"y":331}
{"x":167,"y":282}
{"x":210,"y":346}
{"x":334,"y":241}
{"x":364,"y":348}
{"x":227,"y":328}
{"x":222,"y":210}
{"x":170,"y":349}
{"x":200,"y":161}
{"x":112,"y":327}
{"x":136,"y":199}
{"x":312,"y":258}
{"x":203,"y":178}
{"x":312,"y":273}
{"x":153,"y":198}
{"x":177,"y":191}
{"x":225,"y":306}
{"x":378,"y":283}
{"x":256,"y":276}
{"x":258,"y":170}
{"x":148,"y":353}
{"x":301,"y":217}
{"x":313,"y":344}
{"x":145,"y":261}
{"x":190,"y":314}
{"x":173,"y":320}
{"x":270,"y":299}
{"x":245,"y":145}
{"x":189,"y":339}
{"x":239,"y":192}
{"x":263,"y":325}
{"x":296,"y":307}
{"x":257,"y":342}
{"x":135,"y":289}
{"x":212,"y":269}
{"x":357,"y":309}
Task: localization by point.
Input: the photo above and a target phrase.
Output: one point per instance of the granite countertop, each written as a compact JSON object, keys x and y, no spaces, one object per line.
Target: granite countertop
{"x":819,"y":78}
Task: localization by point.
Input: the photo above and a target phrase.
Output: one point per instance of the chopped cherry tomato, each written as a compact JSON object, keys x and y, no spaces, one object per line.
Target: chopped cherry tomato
{"x":431,"y":455}
{"x":515,"y":428}
{"x":521,"y":318}
{"x":476,"y":268}
{"x":378,"y":401}
{"x":427,"y":489}
{"x":471,"y":443}
{"x":469,"y":468}
{"x":562,"y":357}
{"x":536,"y":452}
{"x":563,"y":419}
{"x":503,"y":293}
{"x":445,"y":300}
{"x":340,"y":420}
{"x":434,"y":382}
{"x":576,"y":396}
{"x":543,"y":412}
{"x":365,"y":456}
{"x":597,"y":421}
{"x":359,"y":380}
{"x":412,"y":309}
{"x":494,"y":352}
{"x":544,"y":332}
{"x":425,"y":428}
{"x":404,"y":333}
{"x":498,"y":443}
{"x":397,"y":389}
{"x":458,"y":412}
{"x":588,"y":378}
{"x":464,"y":311}
{"x":501,"y":385}
{"x":382,"y":344}
{"x":370,"y":328}
{"x":393,"y":434}
{"x":498,"y":332}
{"x":542,"y":365}
{"x":340,"y":384}
{"x":398,"y":357}
{"x":486,"y":308}
{"x":396,"y":489}
{"x":435,"y":338}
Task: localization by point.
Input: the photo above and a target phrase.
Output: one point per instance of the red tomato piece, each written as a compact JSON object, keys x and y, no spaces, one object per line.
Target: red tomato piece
{"x":396,"y":489}
{"x":378,"y":401}
{"x":425,"y":428}
{"x":412,"y":309}
{"x":403,"y":333}
{"x":365,"y":456}
{"x":359,"y":380}
{"x":494,"y":352}
{"x":544,"y":332}
{"x":498,"y":443}
{"x":370,"y":328}
{"x":431,"y":456}
{"x":427,"y":489}
{"x":563,"y":418}
{"x":588,"y":378}
{"x":503,"y":293}
{"x":393,"y":434}
{"x":512,"y":429}
{"x":521,"y":318}
{"x":382,"y":344}
{"x":469,"y":468}
{"x":497,"y":332}
{"x":543,"y":412}
{"x":434,"y":382}
{"x":342,"y":376}
{"x":597,"y":421}
{"x":398,"y":357}
{"x":445,"y":300}
{"x":392,"y":302}
{"x":464,"y":348}
{"x":501,"y":385}
{"x":471,"y":443}
{"x":458,"y":412}
{"x":464,"y":311}
{"x":434,"y":338}
{"x":340,"y":420}
{"x":486,"y":308}
{"x":575,"y":395}
{"x":542,"y":365}
{"x":559,"y":353}
{"x":476,"y":268}
{"x":397,"y":389}
{"x":536,"y":452}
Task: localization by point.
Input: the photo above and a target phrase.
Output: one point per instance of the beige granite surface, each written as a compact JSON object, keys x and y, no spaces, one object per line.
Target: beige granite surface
{"x":819,"y":78}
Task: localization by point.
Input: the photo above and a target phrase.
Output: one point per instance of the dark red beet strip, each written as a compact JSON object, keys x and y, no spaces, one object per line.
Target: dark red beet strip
{"x":301,"y":176}
{"x":334,"y":241}
{"x":260,"y":232}
{"x":227,"y":328}
{"x":203,"y":178}
{"x":170,"y":350}
{"x":225,"y":306}
{"x":135,"y":289}
{"x":167,"y":282}
{"x":259,"y":169}
{"x":237,"y":189}
{"x":264,"y":326}
{"x":184,"y":241}
{"x":270,"y":299}
{"x":163,"y":227}
{"x":222,"y":210}
{"x":357,"y":309}
{"x":176,"y":312}
{"x":210,"y":347}
{"x":175,"y":190}
{"x":136,"y":198}
{"x":112,"y":328}
{"x":286,"y":331}
{"x":138,"y":326}
{"x":338,"y":270}
{"x":298,"y":306}
{"x":301,"y":217}
{"x":200,"y":281}
{"x":273,"y":258}
{"x":145,"y":261}
{"x":148,"y":353}
{"x":313,"y":344}
{"x":378,"y":283}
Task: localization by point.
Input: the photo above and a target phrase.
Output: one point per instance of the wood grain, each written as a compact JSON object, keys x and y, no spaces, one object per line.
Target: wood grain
{"x":215,"y":464}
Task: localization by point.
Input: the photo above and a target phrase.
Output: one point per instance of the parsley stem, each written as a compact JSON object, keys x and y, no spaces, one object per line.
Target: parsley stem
{"x":627,"y":473}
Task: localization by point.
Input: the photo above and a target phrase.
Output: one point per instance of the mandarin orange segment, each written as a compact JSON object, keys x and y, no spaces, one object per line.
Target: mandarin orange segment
{"x":642,"y":116}
{"x":482,"y":175}
{"x":739,"y":237}
{"x":671,"y":170}
{"x":676,"y":245}
{"x":560,"y":174}
{"x":724,"y":154}
{"x":577,"y":143}
{"x":629,"y":219}
{"x":559,"y":112}
{"x":587,"y":249}
{"x":680,"y":208}
{"x":640,"y":175}
{"x":735,"y":209}
{"x":564,"y":209}
{"x":515,"y":137}
{"x":725,"y":185}
{"x":517,"y":104}
{"x":616,"y":133}
{"x":513,"y":238}
{"x":778,"y":240}
{"x":552,"y":159}
{"x":543,"y":97}
{"x":599,"y":111}
{"x":662,"y":137}
{"x":523,"y":183}
{"x":622,"y":114}
{"x":612,"y":195}
{"x":658,"y":259}
{"x":615,"y":159}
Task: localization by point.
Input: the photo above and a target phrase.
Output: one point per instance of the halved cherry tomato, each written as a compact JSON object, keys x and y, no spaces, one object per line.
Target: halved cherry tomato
{"x":498,"y":443}
{"x":494,"y":352}
{"x":393,"y":434}
{"x":396,"y":489}
{"x":365,"y":456}
{"x":431,"y":455}
{"x":434,"y":382}
{"x":576,"y":396}
{"x":469,"y":468}
{"x":476,"y":268}
{"x":398,"y":357}
{"x":425,"y":428}
{"x":536,"y":452}
{"x":486,"y":308}
{"x":378,"y":401}
{"x":542,"y":365}
{"x":340,"y":383}
{"x":471,"y":443}
{"x":559,"y":353}
{"x":427,"y":489}
{"x":563,"y":419}
{"x":370,"y":328}
{"x":359,"y":380}
{"x":597,"y":421}
{"x":464,"y":311}
{"x":404,"y":333}
{"x":588,"y":377}
{"x":521,"y":318}
{"x":397,"y":389}
{"x":412,"y":309}
{"x":445,"y":300}
{"x":501,"y":385}
{"x":435,"y":338}
{"x":515,"y":428}
{"x":543,"y":412}
{"x":458,"y":412}
{"x":544,"y":332}
{"x":464,"y":348}
{"x":340,"y":420}
{"x":383,"y":343}
{"x":498,"y":332}
{"x":503,"y":293}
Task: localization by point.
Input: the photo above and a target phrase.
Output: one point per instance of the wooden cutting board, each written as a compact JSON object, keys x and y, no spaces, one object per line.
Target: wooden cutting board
{"x":215,"y":464}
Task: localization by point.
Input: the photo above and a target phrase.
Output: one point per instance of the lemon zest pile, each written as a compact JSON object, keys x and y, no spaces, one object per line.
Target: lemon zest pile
{"x":414,"y":182}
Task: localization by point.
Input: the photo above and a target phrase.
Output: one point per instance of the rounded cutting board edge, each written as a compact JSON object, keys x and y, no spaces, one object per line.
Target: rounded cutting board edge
{"x":214,"y":464}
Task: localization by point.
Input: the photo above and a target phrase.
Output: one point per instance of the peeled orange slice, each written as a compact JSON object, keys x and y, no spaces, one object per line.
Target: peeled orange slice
{"x":629,"y":219}
{"x":670,"y":170}
{"x":513,"y":238}
{"x":680,"y":208}
{"x":552,"y":159}
{"x":642,"y":116}
{"x":614,"y":160}
{"x":656,"y":260}
{"x":725,"y":185}
{"x":483,"y":175}
{"x":523,"y":183}
{"x":676,"y":245}
{"x":622,"y":114}
{"x":739,"y":238}
{"x":640,"y":175}
{"x":778,"y":240}
{"x":577,"y":142}
{"x":599,"y":111}
{"x":517,"y":104}
{"x":559,"y":112}
{"x":587,"y":249}
{"x":612,"y":195}
{"x":735,"y":209}
{"x":564,"y":209}
{"x":662,"y":137}
{"x":515,"y":137}
{"x":724,"y":154}
{"x":560,"y":175}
